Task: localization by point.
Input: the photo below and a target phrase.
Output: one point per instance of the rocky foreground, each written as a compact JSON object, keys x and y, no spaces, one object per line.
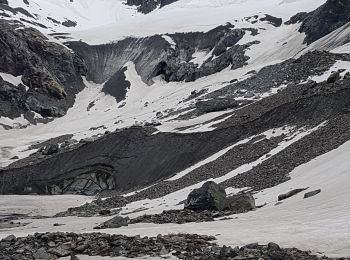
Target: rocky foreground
{"x":185,"y":246}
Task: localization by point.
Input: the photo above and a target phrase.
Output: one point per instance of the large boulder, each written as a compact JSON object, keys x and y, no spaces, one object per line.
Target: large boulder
{"x":212,"y":196}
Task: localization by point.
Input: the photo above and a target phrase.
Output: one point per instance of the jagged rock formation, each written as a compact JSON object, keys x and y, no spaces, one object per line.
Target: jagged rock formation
{"x":155,"y":55}
{"x":330,"y":16}
{"x":50,"y":72}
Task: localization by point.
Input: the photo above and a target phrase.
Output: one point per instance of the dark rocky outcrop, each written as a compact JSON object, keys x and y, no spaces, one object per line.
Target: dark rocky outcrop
{"x":50,"y":71}
{"x":69,"y":23}
{"x":327,"y":18}
{"x":117,"y":85}
{"x":212,"y":196}
{"x":290,"y":194}
{"x":147,"y":6}
{"x":275,"y":21}
{"x":334,"y":77}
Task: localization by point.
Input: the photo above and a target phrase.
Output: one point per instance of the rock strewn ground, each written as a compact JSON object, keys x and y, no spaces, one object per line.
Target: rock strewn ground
{"x":184,"y":246}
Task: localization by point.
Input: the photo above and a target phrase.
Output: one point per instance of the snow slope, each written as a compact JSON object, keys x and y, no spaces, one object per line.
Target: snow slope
{"x":196,"y":15}
{"x":318,"y":223}
{"x":108,"y":20}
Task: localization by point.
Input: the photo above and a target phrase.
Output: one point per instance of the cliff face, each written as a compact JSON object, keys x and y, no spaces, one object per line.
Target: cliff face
{"x":330,"y":16}
{"x":49,"y":71}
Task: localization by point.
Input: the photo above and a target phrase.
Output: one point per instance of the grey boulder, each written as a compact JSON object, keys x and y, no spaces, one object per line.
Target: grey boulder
{"x":212,"y":196}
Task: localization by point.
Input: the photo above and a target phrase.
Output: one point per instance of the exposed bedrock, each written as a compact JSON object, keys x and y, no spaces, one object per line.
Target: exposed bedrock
{"x":137,"y":157}
{"x":50,"y":72}
{"x":325,"y":19}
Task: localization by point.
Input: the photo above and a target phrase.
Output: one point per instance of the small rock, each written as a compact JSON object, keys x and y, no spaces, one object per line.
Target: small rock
{"x":60,"y":251}
{"x":50,"y":149}
{"x":334,"y":77}
{"x":290,"y":194}
{"x":163,"y":251}
{"x":311,"y":193}
{"x":41,"y":254}
{"x":104,"y":212}
{"x":9,"y":238}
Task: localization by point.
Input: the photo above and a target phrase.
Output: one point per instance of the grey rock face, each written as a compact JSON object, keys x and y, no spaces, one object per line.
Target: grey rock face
{"x":89,"y":183}
{"x":290,"y":194}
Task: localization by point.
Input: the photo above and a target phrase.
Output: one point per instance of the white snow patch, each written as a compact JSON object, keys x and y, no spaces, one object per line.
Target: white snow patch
{"x":34,"y":205}
{"x":11,"y":79}
{"x":169,"y":40}
{"x":345,"y":65}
